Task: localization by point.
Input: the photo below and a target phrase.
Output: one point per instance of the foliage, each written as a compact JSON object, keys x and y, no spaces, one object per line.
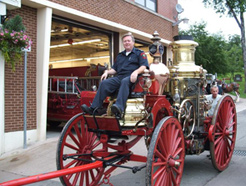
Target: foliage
{"x":232,"y":7}
{"x":12,"y":40}
{"x":234,"y":54}
{"x":14,"y":24}
{"x":236,"y":9}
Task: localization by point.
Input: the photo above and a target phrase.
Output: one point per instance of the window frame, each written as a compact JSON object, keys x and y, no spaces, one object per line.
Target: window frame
{"x":145,"y":4}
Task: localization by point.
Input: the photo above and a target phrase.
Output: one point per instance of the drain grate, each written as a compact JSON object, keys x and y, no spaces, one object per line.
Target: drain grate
{"x":239,"y":152}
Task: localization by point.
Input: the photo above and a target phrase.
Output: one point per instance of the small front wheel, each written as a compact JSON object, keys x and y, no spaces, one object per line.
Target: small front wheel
{"x":165,"y":160}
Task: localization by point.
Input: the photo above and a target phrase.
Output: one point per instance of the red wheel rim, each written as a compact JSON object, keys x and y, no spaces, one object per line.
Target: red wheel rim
{"x":225,"y":128}
{"x":167,"y":158}
{"x":76,"y":139}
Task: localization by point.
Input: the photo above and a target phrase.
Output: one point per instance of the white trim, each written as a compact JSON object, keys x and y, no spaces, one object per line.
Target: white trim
{"x":75,"y":14}
{"x":2,"y":9}
{"x":12,"y":4}
{"x":14,"y":140}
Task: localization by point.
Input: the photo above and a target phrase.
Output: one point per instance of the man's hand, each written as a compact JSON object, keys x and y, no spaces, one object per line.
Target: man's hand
{"x":134,"y":76}
{"x":107,"y":72}
{"x":105,"y":75}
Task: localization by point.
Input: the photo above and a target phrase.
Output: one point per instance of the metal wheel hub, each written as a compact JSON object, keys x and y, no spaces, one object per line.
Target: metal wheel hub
{"x":226,"y":132}
{"x":86,"y":149}
{"x":172,"y":163}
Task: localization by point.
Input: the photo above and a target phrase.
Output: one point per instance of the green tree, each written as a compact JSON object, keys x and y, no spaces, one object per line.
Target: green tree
{"x":236,"y":9}
{"x":234,"y":54}
{"x":210,"y":53}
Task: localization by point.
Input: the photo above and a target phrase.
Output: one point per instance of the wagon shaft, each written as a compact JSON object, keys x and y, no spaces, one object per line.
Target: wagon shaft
{"x":51,"y":175}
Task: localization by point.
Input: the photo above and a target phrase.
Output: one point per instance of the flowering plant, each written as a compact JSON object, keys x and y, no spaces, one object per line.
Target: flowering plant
{"x":12,"y":43}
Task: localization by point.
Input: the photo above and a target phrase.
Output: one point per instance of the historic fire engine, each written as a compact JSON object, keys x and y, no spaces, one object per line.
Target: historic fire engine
{"x":64,"y":91}
{"x":173,"y":123}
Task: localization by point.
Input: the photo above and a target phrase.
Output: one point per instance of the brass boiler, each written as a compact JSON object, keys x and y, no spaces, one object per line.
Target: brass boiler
{"x":187,"y":80}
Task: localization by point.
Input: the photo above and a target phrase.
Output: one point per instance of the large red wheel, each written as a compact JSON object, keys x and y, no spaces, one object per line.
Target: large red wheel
{"x":74,"y":141}
{"x":165,"y":160}
{"x":224,"y":125}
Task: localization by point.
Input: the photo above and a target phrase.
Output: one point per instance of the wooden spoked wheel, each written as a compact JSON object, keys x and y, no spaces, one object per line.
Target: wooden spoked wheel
{"x":224,"y":125}
{"x":74,"y":141}
{"x":165,"y":160}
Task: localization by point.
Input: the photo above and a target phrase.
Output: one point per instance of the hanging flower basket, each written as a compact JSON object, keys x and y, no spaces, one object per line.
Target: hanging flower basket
{"x":12,"y":42}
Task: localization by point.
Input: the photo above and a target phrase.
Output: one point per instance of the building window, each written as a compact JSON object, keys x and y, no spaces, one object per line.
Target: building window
{"x":150,"y":4}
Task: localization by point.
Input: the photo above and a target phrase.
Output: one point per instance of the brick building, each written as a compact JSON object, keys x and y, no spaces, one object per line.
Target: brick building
{"x":51,"y":22}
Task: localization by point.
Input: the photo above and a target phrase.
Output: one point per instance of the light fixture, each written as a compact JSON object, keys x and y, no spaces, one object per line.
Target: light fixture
{"x":76,"y":43}
{"x":179,"y":10}
{"x":63,"y":30}
{"x":89,"y":41}
{"x":185,"y":20}
{"x":98,"y":57}
{"x":60,"y":45}
{"x":66,"y":60}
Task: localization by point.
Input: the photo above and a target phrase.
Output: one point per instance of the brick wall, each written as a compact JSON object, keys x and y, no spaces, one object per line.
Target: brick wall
{"x":167,"y":8}
{"x":14,"y":81}
{"x":125,"y":13}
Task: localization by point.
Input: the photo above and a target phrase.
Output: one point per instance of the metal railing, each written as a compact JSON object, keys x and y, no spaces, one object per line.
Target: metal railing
{"x":66,"y":84}
{"x":62,"y":84}
{"x":88,"y":82}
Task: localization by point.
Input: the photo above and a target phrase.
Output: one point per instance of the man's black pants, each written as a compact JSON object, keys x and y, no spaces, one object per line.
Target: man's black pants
{"x":110,"y":86}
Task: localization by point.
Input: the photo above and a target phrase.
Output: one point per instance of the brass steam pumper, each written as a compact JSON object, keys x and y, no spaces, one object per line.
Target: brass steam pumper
{"x":187,"y":81}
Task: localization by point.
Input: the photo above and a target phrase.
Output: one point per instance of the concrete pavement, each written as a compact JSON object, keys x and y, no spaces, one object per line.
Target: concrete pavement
{"x":40,"y":158}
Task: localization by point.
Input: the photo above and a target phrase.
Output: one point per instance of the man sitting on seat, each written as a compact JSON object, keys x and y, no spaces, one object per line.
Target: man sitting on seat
{"x":128,"y":65}
{"x":214,"y":98}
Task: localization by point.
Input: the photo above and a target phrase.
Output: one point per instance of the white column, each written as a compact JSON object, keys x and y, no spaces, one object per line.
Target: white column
{"x":44,"y":18}
{"x":2,"y":90}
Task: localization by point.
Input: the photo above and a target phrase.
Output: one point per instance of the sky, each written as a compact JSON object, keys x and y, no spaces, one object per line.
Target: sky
{"x":195,"y":11}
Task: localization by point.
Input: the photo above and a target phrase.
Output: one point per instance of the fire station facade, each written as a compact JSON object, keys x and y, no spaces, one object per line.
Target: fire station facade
{"x":70,"y":33}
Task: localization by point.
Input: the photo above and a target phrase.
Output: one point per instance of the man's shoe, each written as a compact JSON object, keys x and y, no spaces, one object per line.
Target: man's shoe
{"x":116,"y":111}
{"x":86,"y":109}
